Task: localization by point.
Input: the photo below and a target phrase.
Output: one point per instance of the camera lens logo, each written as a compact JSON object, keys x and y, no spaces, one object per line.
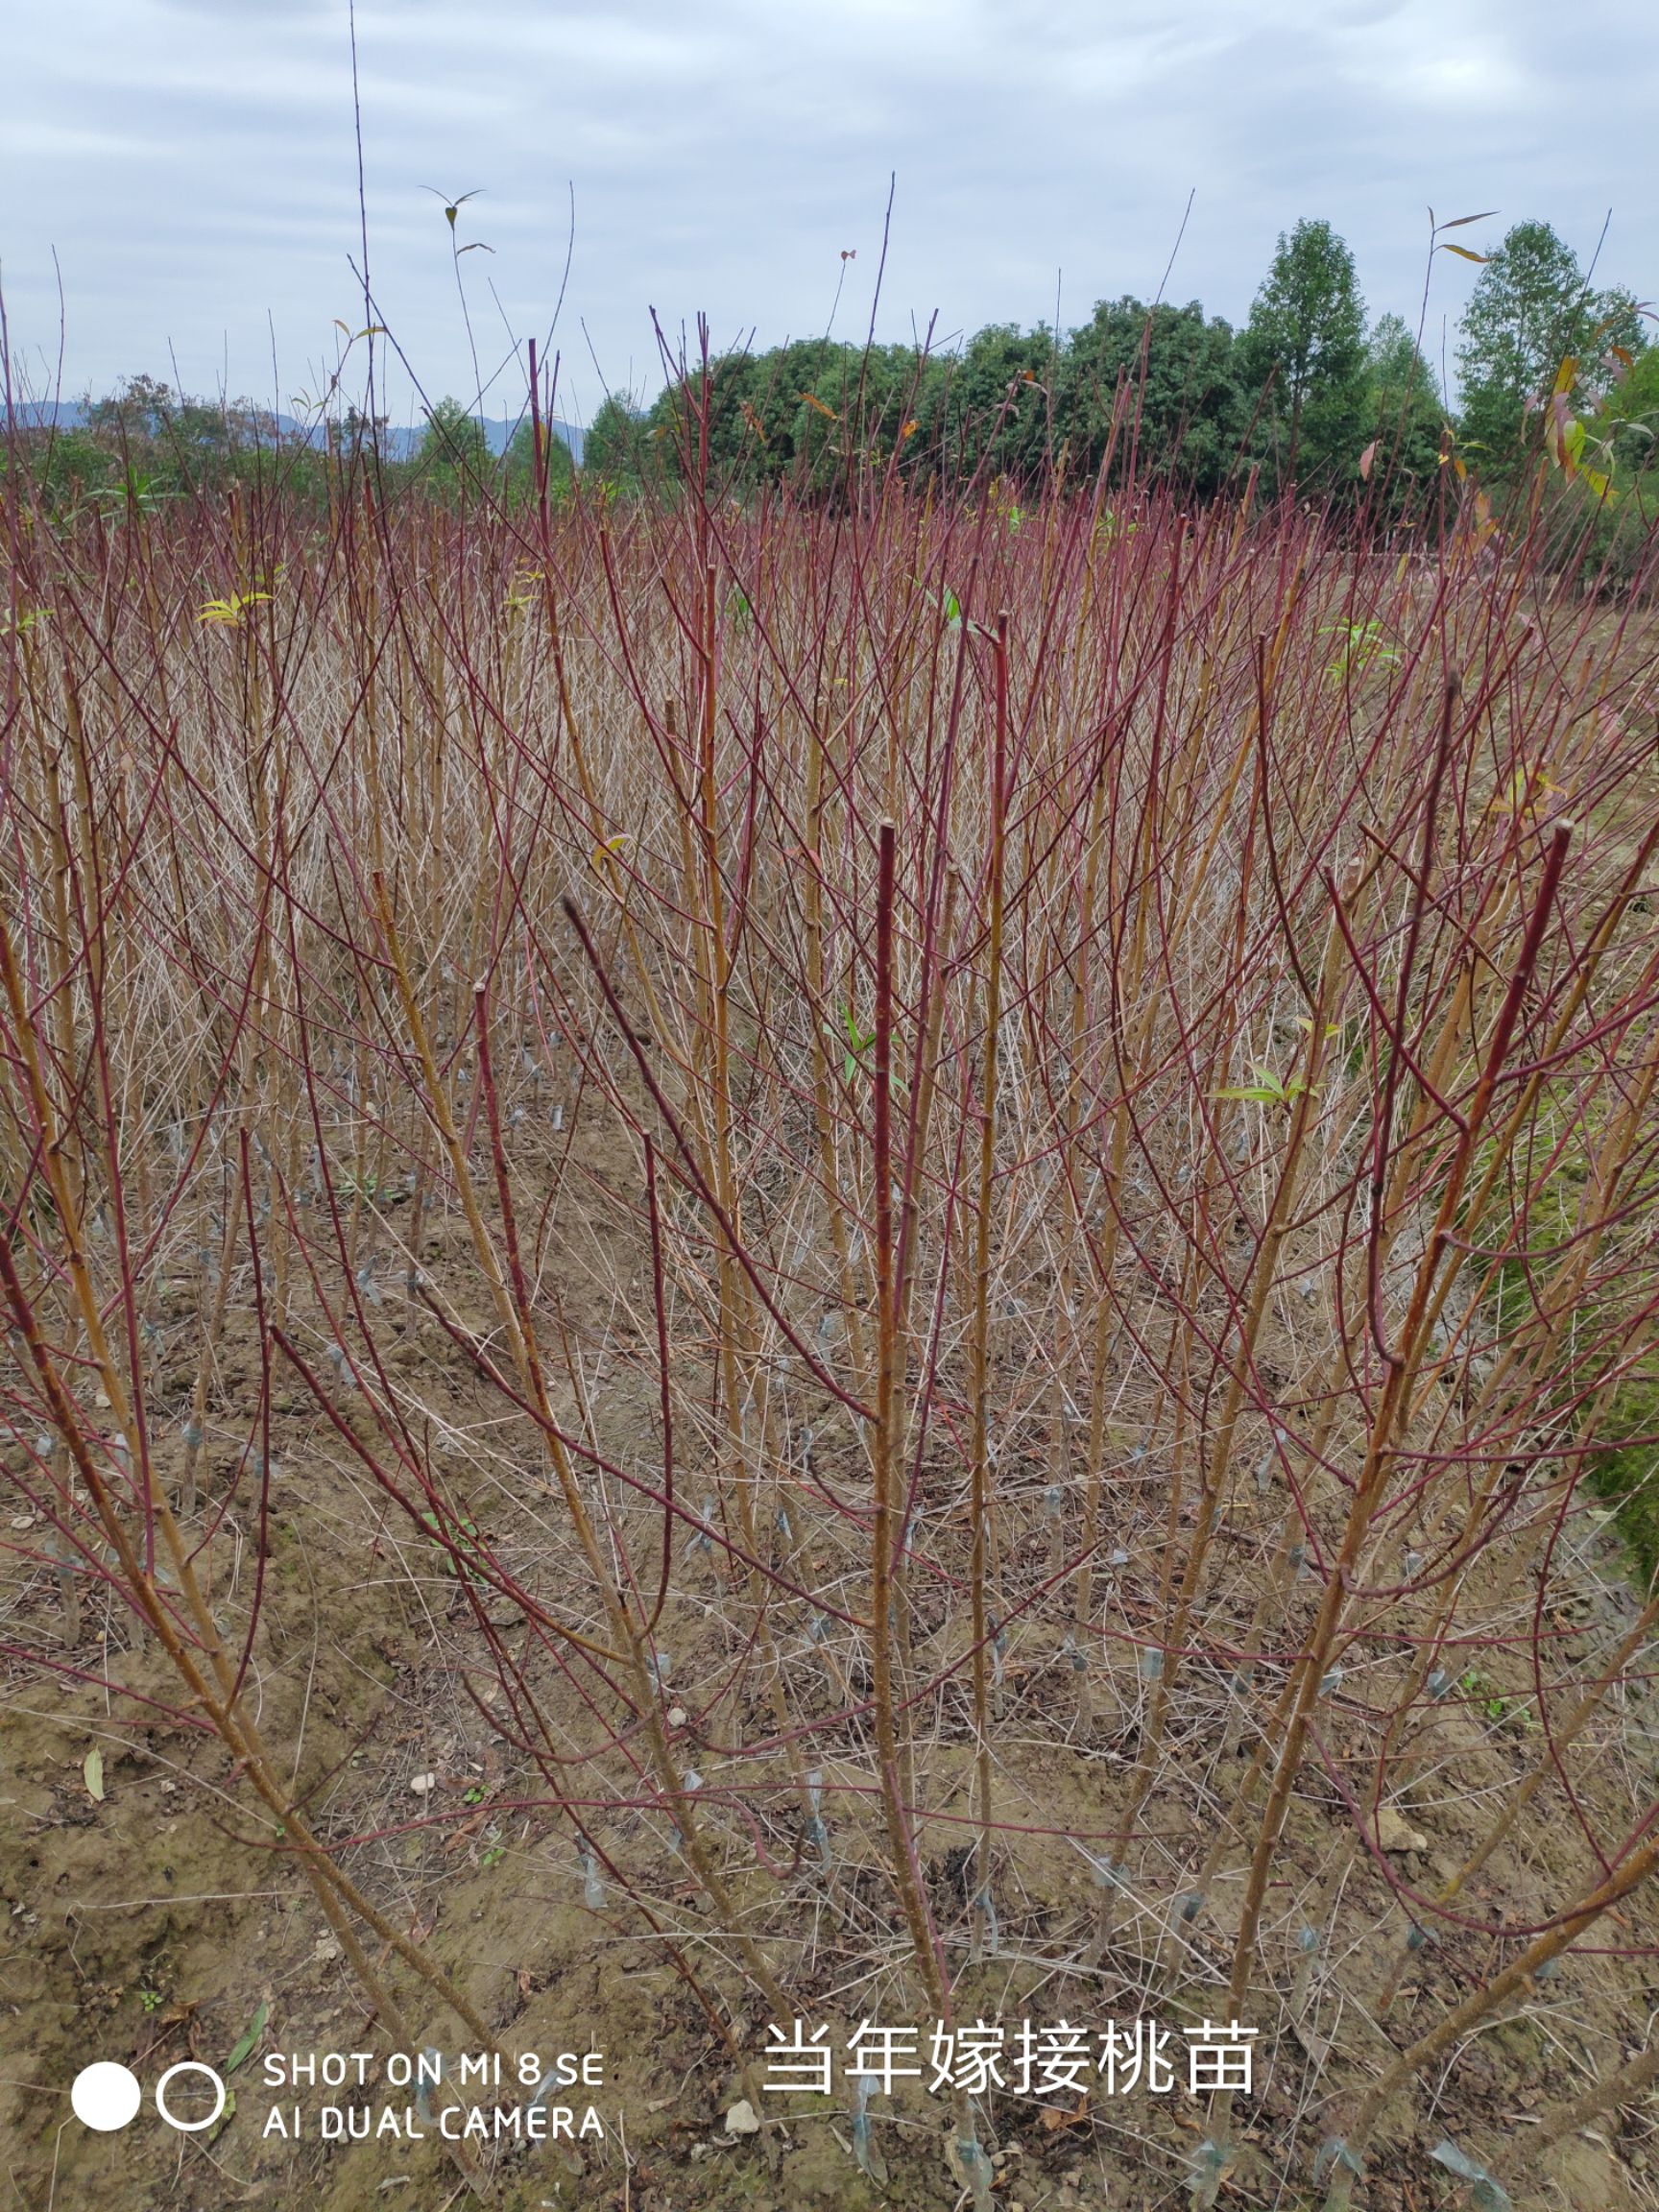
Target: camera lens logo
{"x":106,"y":2097}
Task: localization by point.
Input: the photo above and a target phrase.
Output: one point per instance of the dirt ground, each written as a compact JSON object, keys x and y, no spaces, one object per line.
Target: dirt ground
{"x":149,"y":1920}
{"x":152,"y":1920}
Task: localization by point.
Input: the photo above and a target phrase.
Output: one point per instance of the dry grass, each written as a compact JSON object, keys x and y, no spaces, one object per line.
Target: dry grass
{"x":969,"y":1404}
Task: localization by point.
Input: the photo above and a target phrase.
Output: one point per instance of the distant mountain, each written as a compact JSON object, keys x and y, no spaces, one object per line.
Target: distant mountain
{"x":398,"y":441}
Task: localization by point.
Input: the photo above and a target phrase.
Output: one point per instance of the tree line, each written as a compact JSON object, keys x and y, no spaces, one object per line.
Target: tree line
{"x":1309,"y":397}
{"x":144,"y":445}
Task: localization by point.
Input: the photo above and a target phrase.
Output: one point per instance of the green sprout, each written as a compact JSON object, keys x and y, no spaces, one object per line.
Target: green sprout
{"x":1484,"y":1692}
{"x":135,"y":489}
{"x":855,"y":1043}
{"x":465,"y":1540}
{"x":1364,"y":645}
{"x":1267,"y":1090}
{"x":231,"y":609}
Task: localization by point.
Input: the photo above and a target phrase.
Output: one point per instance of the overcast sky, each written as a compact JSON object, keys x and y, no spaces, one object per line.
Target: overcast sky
{"x":192,"y":164}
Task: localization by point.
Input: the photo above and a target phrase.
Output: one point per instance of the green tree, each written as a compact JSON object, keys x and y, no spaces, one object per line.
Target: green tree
{"x":520,"y":463}
{"x":624,"y":448}
{"x":673,"y":439}
{"x":1632,"y":413}
{"x":803,"y":414}
{"x":354,"y":431}
{"x":826,"y":408}
{"x":1403,"y":412}
{"x":1531,"y":311}
{"x":66,"y":466}
{"x":453,"y":456}
{"x":990,"y":407}
{"x":138,"y":412}
{"x":1304,"y":346}
{"x":1180,"y":415}
{"x":168,"y":443}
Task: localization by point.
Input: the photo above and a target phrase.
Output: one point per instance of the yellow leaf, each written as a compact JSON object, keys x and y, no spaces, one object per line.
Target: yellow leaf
{"x":230,"y":610}
{"x":92,"y":1768}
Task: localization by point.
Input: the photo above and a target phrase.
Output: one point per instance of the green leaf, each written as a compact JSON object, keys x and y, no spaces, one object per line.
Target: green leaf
{"x":464,"y":1541}
{"x":249,"y":2037}
{"x":858,"y":1043}
{"x":92,"y":1767}
{"x":1267,"y":1090}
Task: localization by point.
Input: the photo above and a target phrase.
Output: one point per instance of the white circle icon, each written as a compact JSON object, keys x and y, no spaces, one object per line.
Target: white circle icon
{"x":189,"y":2066}
{"x":106,"y":2096}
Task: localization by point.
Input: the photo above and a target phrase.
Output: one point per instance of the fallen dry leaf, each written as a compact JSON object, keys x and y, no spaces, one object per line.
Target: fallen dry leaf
{"x":1054,"y":2118}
